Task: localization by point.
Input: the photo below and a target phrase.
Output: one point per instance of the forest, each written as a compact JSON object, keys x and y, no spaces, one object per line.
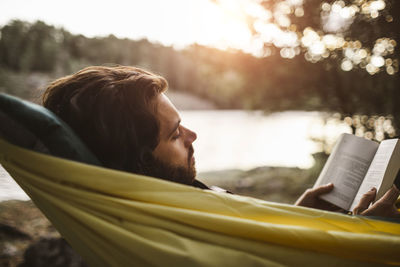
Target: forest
{"x":355,"y":75}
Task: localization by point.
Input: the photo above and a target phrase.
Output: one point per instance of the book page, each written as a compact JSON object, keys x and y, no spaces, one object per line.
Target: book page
{"x":346,"y":169}
{"x":377,"y":171}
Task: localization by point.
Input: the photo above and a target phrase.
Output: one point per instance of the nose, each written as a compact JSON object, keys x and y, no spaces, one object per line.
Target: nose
{"x":190,"y":136}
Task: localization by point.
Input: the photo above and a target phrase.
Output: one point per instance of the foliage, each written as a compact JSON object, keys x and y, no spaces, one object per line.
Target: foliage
{"x":332,"y":29}
{"x":26,"y":47}
{"x":353,"y":44}
{"x":231,"y":79}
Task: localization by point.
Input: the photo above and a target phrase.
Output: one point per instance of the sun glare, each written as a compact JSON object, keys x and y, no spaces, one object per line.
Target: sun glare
{"x":179,"y":23}
{"x":225,"y":24}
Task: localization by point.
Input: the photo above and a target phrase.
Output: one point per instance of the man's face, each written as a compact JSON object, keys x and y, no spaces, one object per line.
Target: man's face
{"x":174,"y":152}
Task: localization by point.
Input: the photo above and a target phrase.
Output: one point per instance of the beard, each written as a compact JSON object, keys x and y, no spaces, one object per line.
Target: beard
{"x":180,"y":174}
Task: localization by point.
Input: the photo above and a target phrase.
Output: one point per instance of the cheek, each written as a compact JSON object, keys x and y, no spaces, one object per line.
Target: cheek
{"x":173,"y":152}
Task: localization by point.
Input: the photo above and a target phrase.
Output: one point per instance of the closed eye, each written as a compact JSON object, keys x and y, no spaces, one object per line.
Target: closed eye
{"x":176,"y":135}
{"x":175,"y":132}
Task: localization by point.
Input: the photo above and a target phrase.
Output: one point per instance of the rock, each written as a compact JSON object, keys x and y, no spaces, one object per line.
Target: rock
{"x":8,"y":250}
{"x":55,"y":252}
{"x":8,"y":232}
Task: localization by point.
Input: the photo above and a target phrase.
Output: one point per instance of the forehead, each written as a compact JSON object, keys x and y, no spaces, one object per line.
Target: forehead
{"x":167,"y":114}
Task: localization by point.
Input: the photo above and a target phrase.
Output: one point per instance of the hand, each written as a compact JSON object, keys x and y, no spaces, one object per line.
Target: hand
{"x":310,"y":198}
{"x":384,"y":207}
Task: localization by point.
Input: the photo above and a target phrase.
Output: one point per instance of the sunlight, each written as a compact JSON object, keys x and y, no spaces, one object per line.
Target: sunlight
{"x":175,"y":22}
{"x":224,"y":24}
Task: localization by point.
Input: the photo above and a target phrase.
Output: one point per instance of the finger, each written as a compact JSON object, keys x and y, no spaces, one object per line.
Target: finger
{"x":365,"y":201}
{"x":323,"y":189}
{"x":391,"y":195}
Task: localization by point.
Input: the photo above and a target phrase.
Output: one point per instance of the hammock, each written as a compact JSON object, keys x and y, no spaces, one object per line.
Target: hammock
{"x":114,"y":218}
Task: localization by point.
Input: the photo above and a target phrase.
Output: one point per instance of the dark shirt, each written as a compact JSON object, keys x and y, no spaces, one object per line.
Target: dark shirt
{"x":201,"y":185}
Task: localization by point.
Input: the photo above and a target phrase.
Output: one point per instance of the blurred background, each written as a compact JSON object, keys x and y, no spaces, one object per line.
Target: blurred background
{"x":267,"y":85}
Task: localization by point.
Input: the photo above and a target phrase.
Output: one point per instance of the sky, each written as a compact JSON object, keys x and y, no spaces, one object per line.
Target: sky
{"x":217,"y":23}
{"x":173,"y":22}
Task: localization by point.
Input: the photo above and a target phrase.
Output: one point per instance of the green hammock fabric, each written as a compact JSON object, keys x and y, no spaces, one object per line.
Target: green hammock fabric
{"x":34,"y":127}
{"x":114,"y":218}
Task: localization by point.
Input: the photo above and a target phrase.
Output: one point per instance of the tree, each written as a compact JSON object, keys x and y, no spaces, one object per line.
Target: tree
{"x":353,"y":43}
{"x":28,"y":47}
{"x":12,"y":43}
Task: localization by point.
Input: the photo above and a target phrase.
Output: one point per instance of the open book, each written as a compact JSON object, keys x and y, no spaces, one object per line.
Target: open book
{"x":356,"y":165}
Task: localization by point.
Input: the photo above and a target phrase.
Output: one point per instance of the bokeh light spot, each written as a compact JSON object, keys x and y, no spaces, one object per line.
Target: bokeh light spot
{"x":346,"y":65}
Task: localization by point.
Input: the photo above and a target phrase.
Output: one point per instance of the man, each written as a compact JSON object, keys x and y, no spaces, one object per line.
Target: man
{"x":126,"y":120}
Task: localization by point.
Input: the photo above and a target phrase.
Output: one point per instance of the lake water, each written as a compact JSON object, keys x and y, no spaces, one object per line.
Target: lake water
{"x":236,"y":139}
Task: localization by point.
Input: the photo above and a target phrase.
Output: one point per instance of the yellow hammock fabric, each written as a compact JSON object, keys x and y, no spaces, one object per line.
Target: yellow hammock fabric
{"x":114,"y":218}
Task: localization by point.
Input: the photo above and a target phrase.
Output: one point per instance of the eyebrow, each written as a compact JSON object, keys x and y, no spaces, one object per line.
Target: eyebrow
{"x":175,"y":127}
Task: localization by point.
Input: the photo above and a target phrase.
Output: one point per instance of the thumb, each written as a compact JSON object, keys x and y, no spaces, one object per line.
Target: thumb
{"x":390,"y":196}
{"x":365,"y":201}
{"x":323,"y":189}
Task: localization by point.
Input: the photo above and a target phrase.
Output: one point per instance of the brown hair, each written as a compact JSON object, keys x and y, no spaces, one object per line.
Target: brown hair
{"x":111,"y":110}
